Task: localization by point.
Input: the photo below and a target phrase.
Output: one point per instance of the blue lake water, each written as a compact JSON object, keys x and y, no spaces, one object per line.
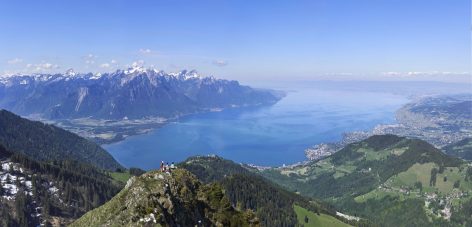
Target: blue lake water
{"x":271,"y":135}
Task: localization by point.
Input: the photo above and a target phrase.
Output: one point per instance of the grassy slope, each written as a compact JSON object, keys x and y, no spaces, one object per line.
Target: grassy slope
{"x":120,"y":176}
{"x":420,"y":173}
{"x":366,"y":163}
{"x":315,"y":220}
{"x":380,"y":173}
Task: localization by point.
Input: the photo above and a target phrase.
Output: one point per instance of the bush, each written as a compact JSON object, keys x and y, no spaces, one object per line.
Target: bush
{"x":457,"y":184}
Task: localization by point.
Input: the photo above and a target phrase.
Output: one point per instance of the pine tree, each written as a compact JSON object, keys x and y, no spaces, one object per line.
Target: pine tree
{"x":21,"y":208}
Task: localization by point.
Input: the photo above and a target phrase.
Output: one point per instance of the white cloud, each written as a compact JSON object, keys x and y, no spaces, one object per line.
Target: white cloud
{"x":7,"y":73}
{"x":45,"y":66}
{"x":105,"y":65}
{"x":14,"y":61}
{"x":138,"y":63}
{"x":220,"y":63}
{"x":174,"y":67}
{"x":423,"y":74}
{"x":145,"y":51}
{"x":339,"y":74}
{"x":391,"y":73}
{"x":112,"y":64}
{"x":89,"y":59}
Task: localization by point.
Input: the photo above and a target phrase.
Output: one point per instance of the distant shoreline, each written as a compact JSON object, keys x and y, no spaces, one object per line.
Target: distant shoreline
{"x":107,"y":132}
{"x":408,"y":124}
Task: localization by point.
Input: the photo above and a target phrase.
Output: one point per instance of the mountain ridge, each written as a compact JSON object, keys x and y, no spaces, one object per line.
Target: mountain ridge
{"x":125,"y":94}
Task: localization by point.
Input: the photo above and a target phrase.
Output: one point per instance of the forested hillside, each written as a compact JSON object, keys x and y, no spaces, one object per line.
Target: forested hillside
{"x":47,"y":142}
{"x":35,"y":192}
{"x":273,"y":205}
{"x":461,"y":149}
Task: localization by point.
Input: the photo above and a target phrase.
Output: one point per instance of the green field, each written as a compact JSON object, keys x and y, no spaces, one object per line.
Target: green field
{"x":370,"y":154}
{"x":417,"y":172}
{"x":316,"y":220}
{"x":422,"y":173}
{"x":122,"y":177}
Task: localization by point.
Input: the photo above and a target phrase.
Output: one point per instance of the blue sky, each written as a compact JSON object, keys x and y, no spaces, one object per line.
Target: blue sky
{"x":246,"y":40}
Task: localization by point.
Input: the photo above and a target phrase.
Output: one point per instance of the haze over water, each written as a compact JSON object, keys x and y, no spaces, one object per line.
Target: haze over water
{"x":270,"y":135}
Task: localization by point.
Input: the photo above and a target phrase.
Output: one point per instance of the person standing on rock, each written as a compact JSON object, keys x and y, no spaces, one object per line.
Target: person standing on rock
{"x":167,"y":168}
{"x":162,"y":166}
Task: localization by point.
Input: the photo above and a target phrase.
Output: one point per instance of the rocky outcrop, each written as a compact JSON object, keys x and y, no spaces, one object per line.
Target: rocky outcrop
{"x":168,"y":199}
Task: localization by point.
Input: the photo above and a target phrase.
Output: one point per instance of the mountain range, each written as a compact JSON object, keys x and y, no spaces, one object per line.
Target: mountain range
{"x":134,"y":93}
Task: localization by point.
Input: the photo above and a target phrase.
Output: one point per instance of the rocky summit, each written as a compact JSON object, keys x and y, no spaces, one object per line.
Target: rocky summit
{"x":175,"y":198}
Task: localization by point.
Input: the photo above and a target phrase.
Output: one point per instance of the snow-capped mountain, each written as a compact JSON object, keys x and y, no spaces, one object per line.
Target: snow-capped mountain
{"x":133,"y":93}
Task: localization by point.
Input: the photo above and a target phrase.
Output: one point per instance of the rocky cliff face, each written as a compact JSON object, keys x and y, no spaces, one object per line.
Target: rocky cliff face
{"x":168,"y":199}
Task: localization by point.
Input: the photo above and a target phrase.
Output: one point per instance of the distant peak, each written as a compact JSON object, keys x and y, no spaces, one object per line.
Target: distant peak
{"x":192,"y":74}
{"x":96,"y":76}
{"x":186,"y":74}
{"x":135,"y":69}
{"x":70,"y":72}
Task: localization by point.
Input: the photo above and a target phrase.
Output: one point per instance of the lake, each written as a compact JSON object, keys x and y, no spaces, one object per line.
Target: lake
{"x":269,"y":136}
